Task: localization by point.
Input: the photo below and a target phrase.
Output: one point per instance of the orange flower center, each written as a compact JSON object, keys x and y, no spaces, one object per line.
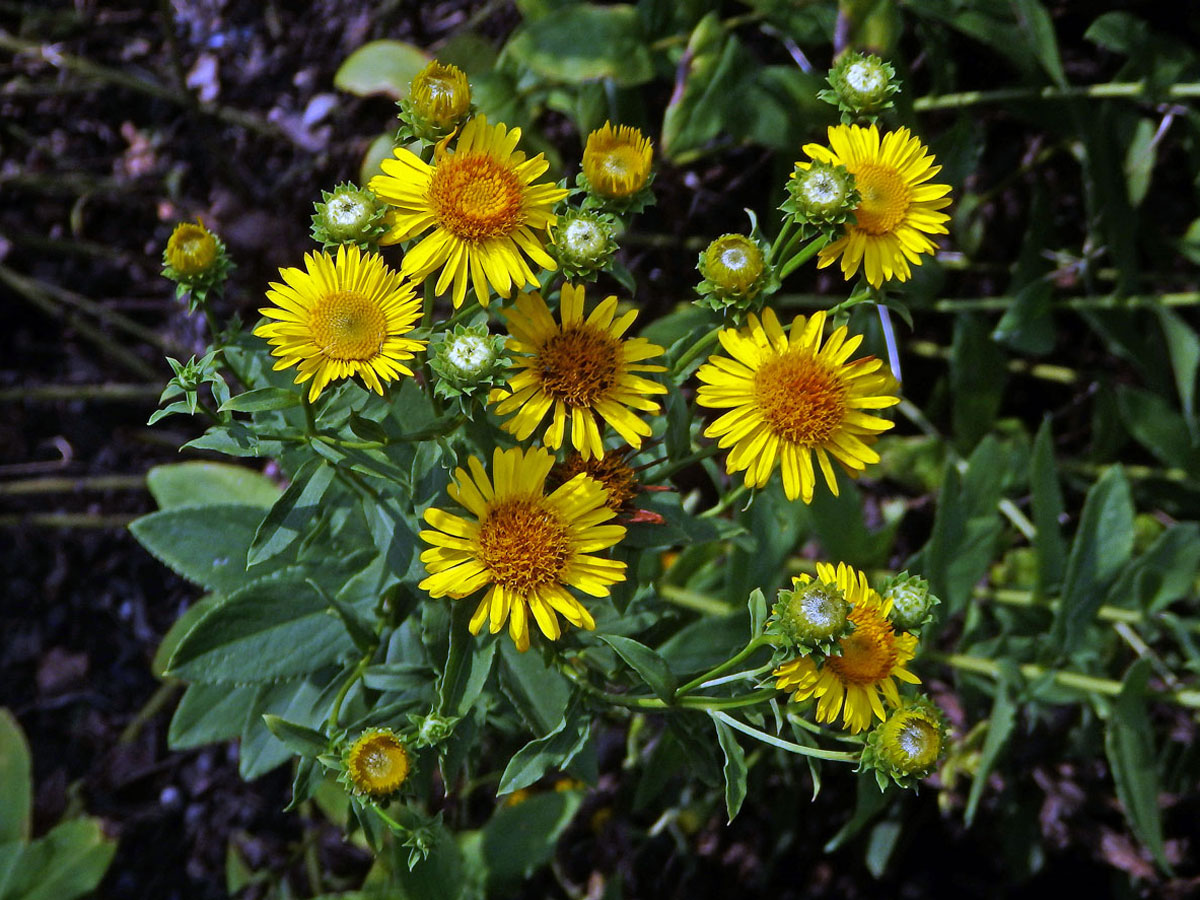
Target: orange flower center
{"x":347,"y":326}
{"x":801,"y":398}
{"x":476,"y":197}
{"x":578,"y":365}
{"x":523,"y":543}
{"x":885,"y":198}
{"x":868,"y":652}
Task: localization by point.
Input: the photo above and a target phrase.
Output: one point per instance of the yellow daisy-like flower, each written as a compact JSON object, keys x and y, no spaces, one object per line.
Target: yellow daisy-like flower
{"x":342,"y":317}
{"x":529,"y":546}
{"x":616,"y":161}
{"x":792,"y":398}
{"x":872,"y":656}
{"x":898,"y":208}
{"x":484,"y":208}
{"x":580,"y":369}
{"x":376,"y":764}
{"x":191,"y":249}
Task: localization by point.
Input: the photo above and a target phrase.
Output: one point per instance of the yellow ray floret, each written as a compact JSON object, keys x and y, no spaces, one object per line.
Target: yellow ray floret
{"x":898,"y":209}
{"x":872,"y":657}
{"x":339,"y":318}
{"x":791,"y":398}
{"x":486,"y":212}
{"x":526,"y":547}
{"x":577,"y":371}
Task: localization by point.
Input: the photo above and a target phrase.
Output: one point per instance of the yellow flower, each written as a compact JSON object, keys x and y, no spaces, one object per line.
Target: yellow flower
{"x":376,"y":764}
{"x":792,"y":398}
{"x":340,"y":318}
{"x":897,"y":209}
{"x":483,"y":206}
{"x":580,"y":370}
{"x":191,"y":249}
{"x":872,"y":656}
{"x":529,"y":547}
{"x":616,"y":161}
{"x":440,"y":95}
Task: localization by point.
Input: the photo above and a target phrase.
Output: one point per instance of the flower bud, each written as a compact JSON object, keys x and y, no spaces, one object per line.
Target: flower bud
{"x":432,"y":729}
{"x":468,"y":362}
{"x":735,"y":272}
{"x":820,"y":194}
{"x":582,"y":242}
{"x":616,"y":169}
{"x":195,"y":259}
{"x":908,"y":745}
{"x":912,"y":604}
{"x":814,"y":615}
{"x":439,"y":99}
{"x":348,"y":215}
{"x":862,"y":86}
{"x":376,"y":765}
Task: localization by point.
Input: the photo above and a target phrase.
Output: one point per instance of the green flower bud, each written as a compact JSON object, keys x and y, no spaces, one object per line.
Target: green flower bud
{"x":432,"y":729}
{"x":582,"y":242}
{"x":907,"y":746}
{"x":821,"y":195}
{"x":814,"y":615}
{"x":912,"y":604}
{"x":439,"y":99}
{"x":348,"y":215}
{"x":862,"y":87}
{"x":468,"y":362}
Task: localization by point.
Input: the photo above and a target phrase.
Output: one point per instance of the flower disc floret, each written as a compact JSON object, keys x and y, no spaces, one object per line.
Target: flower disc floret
{"x":487,"y":211}
{"x":377,"y":764}
{"x":791,"y":399}
{"x":871,"y":658}
{"x":577,"y":371}
{"x":527,"y":547}
{"x":898,"y":208}
{"x":342,"y":317}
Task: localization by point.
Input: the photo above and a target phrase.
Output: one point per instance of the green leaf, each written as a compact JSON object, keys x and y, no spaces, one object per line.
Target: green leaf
{"x":881,"y":844}
{"x":359,"y":629}
{"x":206,"y":545}
{"x":1129,"y":743}
{"x":1038,"y":29}
{"x":554,"y":750}
{"x":1000,"y":727}
{"x":538,"y":691}
{"x":298,"y":700}
{"x":293,"y":514}
{"x":520,"y":839}
{"x":468,"y":665}
{"x":1047,"y":508}
{"x":649,"y":665}
{"x":734,"y":769}
{"x":380,"y":67}
{"x":869,"y":802}
{"x":10,"y":863}
{"x":977,"y":377}
{"x":1156,"y":425}
{"x":209,"y":484}
{"x":65,"y":864}
{"x":583,"y":42}
{"x":270,"y":629}
{"x":1140,"y":157}
{"x":1163,"y":574}
{"x":209,"y":713}
{"x":1101,"y":549}
{"x":1028,"y":325}
{"x":757,"y":604}
{"x":262,"y":400}
{"x":440,"y":876}
{"x":378,"y":150}
{"x":300,"y":739}
{"x":1183,"y":346}
{"x":181,"y":626}
{"x":16,"y":785}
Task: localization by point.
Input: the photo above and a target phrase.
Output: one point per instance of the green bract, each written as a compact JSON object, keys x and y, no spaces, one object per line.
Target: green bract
{"x":348,"y":215}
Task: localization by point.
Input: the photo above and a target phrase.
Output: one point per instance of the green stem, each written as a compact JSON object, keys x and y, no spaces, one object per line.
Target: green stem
{"x":696,"y":350}
{"x":807,"y":252}
{"x":689,"y":599}
{"x":677,"y":465}
{"x":725,"y":502}
{"x":353,"y":678}
{"x":73,"y":485}
{"x":799,"y":749}
{"x":724,"y":667}
{"x":1136,"y":90}
{"x":784,"y":238}
{"x":310,"y":420}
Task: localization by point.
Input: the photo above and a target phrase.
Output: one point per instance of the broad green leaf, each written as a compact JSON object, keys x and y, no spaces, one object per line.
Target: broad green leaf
{"x":538,"y":691}
{"x":380,"y":148}
{"x":704,"y":643}
{"x":181,"y":626}
{"x":1027,"y":325}
{"x":734,"y":769}
{"x":583,"y":42}
{"x":440,"y":876}
{"x":1156,"y":425}
{"x":262,"y":400}
{"x":1183,"y":346}
{"x":1163,"y":574}
{"x":300,"y":739}
{"x":293,"y":514}
{"x":206,"y":545}
{"x":397,"y":677}
{"x":1100,"y":550}
{"x":10,"y":861}
{"x":977,"y":377}
{"x":65,"y":864}
{"x":269,"y":630}
{"x":209,"y":713}
{"x":1140,"y":157}
{"x":881,"y":844}
{"x":520,"y":839}
{"x":468,"y":665}
{"x":1129,"y":743}
{"x":1047,"y":507}
{"x":209,"y":484}
{"x":1038,"y":29}
{"x":712,"y":80}
{"x":555,"y":750}
{"x":16,"y":784}
{"x":652,"y":668}
{"x":298,"y":700}
{"x":1000,"y":727}
{"x":381,"y":67}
